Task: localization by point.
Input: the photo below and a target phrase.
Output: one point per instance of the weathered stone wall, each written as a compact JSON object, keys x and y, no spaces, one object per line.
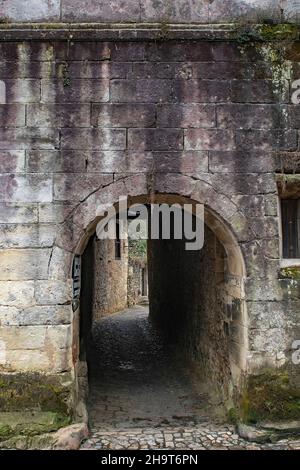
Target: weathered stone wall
{"x":187,"y":301}
{"x":178,"y":11}
{"x":135,"y":288}
{"x":110,"y":278}
{"x":85,"y":122}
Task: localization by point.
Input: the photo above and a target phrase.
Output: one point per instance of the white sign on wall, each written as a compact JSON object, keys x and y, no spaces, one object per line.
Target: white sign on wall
{"x":76,"y":274}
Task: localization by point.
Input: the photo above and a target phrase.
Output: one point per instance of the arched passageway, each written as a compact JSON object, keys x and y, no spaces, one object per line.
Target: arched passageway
{"x":182,"y":357}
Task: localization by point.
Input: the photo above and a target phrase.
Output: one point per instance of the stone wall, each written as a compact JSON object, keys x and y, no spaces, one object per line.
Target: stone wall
{"x":110,"y":278}
{"x":189,"y":300}
{"x":85,"y":122}
{"x":177,"y":11}
{"x":135,"y":282}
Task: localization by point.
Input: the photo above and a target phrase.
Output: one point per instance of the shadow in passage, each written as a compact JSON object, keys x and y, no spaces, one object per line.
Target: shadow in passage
{"x":138,"y":379}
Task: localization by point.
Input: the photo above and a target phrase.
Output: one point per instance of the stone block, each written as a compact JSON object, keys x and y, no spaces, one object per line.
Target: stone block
{"x":45,"y":338}
{"x":263,"y":289}
{"x":83,"y":51}
{"x":244,"y":116}
{"x":56,"y":115}
{"x":265,"y":227}
{"x":271,"y":248}
{"x":247,"y":183}
{"x":230,"y":10}
{"x":12,"y":115}
{"x":12,"y":161}
{"x":258,"y":264}
{"x":16,"y":69}
{"x":76,"y":187}
{"x":182,"y":11}
{"x":60,"y":264}
{"x":16,"y":338}
{"x":22,"y":90}
{"x":290,"y":116}
{"x":150,"y":70}
{"x":94,"y":68}
{"x":70,"y":437}
{"x":101,"y":11}
{"x":262,"y":140}
{"x":271,"y":340}
{"x":271,"y":205}
{"x":24,"y":264}
{"x":238,"y":161}
{"x":290,"y":289}
{"x":155,"y":139}
{"x":54,"y":213}
{"x":91,"y":208}
{"x":26,"y":236}
{"x":167,"y":91}
{"x":255,"y":91}
{"x":104,"y":139}
{"x":123,"y":115}
{"x":240,"y":226}
{"x":168,"y":182}
{"x":193,"y":163}
{"x":226,"y":70}
{"x":68,"y":237}
{"x":265,"y":315}
{"x":251,"y":206}
{"x":18,"y":213}
{"x":40,"y":360}
{"x":17,"y":294}
{"x":179,"y":52}
{"x":29,"y":188}
{"x":145,"y":91}
{"x":189,"y":162}
{"x":201,"y":91}
{"x":39,"y":10}
{"x":100,"y":161}
{"x":193,"y":115}
{"x":36,"y":315}
{"x":52,"y":292}
{"x":209,"y":139}
{"x":128,"y":52}
{"x":33,"y":51}
{"x":28,"y":138}
{"x":77,"y":90}
{"x":232,"y":52}
{"x":54,"y":161}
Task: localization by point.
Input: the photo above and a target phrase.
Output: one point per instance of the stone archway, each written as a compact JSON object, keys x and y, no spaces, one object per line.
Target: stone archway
{"x":223,"y":220}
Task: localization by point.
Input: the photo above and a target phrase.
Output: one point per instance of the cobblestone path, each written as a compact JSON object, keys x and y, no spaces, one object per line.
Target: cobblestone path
{"x":143,"y":396}
{"x":194,"y":437}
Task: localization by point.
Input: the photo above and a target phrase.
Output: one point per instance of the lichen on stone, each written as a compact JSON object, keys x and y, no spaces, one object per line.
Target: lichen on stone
{"x":270,"y":395}
{"x":30,"y":423}
{"x":290,"y":273}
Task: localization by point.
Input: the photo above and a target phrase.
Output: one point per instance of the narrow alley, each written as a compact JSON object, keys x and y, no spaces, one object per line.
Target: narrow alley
{"x":143,"y":395}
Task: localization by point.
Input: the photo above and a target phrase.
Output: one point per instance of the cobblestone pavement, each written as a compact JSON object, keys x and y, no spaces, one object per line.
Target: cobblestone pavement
{"x":208,"y":436}
{"x":143,"y":397}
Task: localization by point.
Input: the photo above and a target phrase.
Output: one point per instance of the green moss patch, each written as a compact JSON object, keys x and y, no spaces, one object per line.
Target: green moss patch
{"x":269,"y":32}
{"x":35,"y":392}
{"x":290,"y":273}
{"x":28,"y":423}
{"x":270,"y":396}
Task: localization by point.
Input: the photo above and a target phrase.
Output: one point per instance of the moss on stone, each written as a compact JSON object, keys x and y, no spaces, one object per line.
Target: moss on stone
{"x":270,"y":396}
{"x":266,"y":32}
{"x":233,"y":416}
{"x":290,"y":273}
{"x":35,"y":391}
{"x":269,"y":32}
{"x":28,"y":423}
{"x":288,"y":178}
